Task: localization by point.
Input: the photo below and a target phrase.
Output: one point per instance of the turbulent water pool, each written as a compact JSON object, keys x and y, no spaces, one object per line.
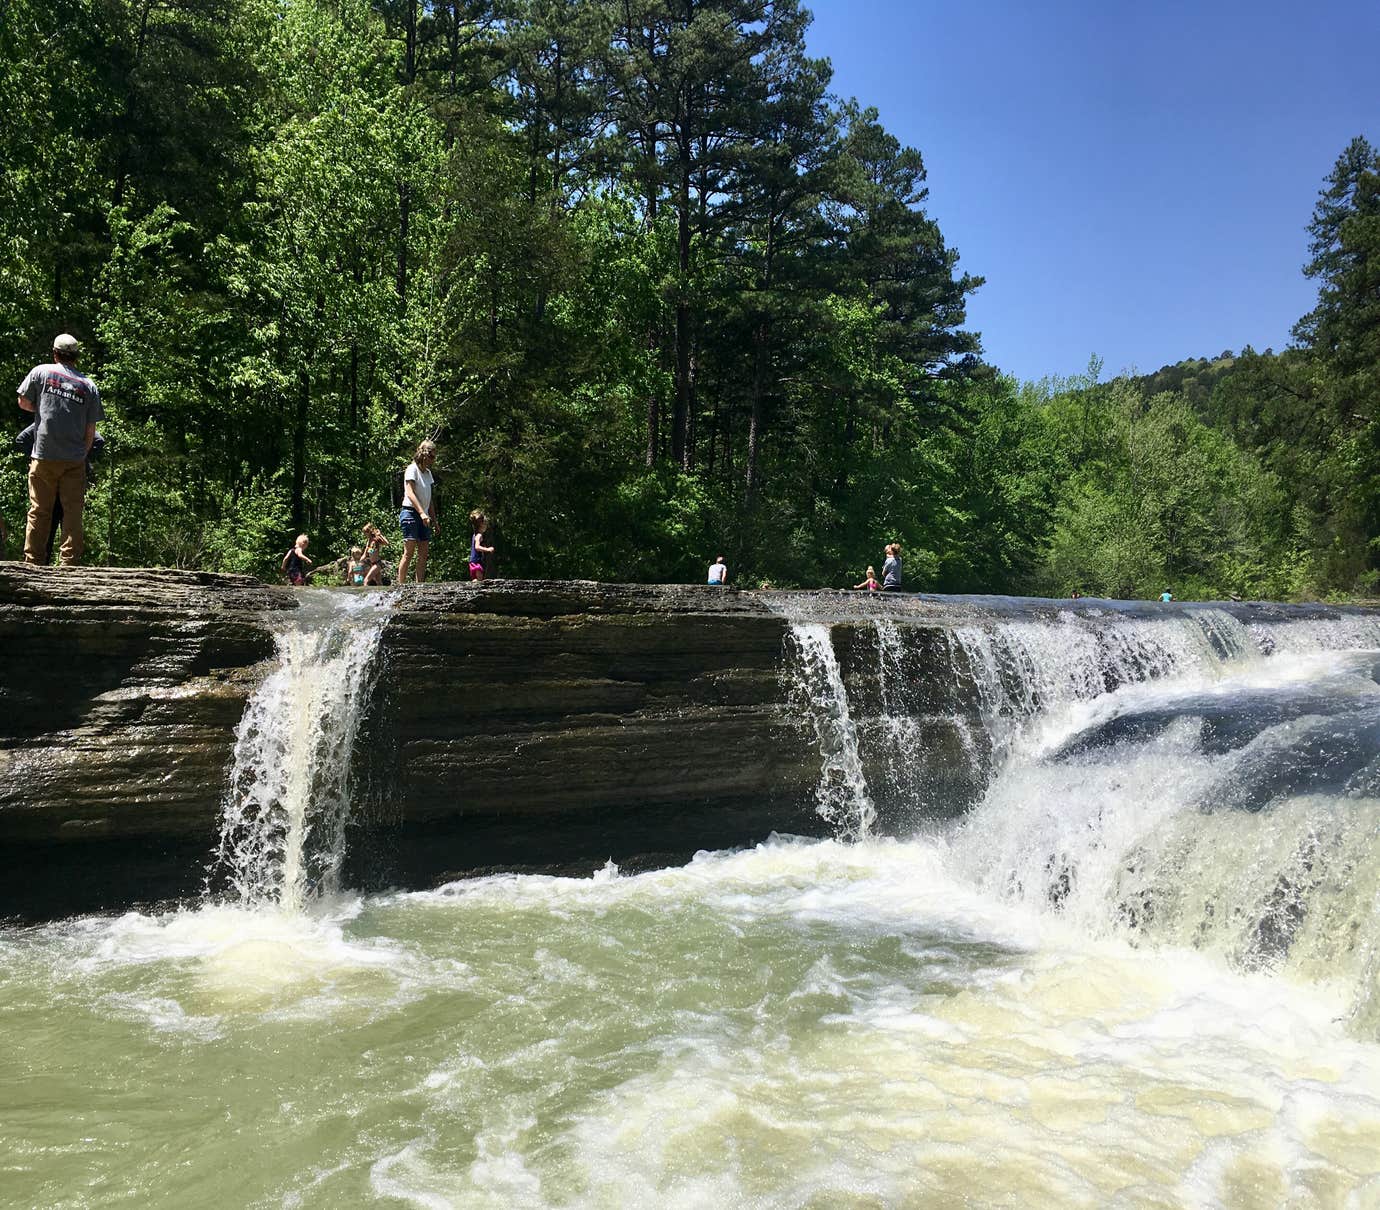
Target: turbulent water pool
{"x":802,"y":1024}
{"x":1140,"y":971}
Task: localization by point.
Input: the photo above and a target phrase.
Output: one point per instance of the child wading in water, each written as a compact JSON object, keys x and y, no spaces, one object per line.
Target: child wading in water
{"x":479,"y":528}
{"x":296,"y":565}
{"x":870,"y":583}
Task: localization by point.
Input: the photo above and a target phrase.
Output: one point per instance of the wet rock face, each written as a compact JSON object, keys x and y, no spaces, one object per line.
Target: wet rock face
{"x":513,"y":726}
{"x":541,"y":724}
{"x":118,"y":707}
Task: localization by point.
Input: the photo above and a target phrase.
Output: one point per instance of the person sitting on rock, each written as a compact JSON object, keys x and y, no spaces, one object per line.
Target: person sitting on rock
{"x":718,"y":573}
{"x":373,"y":568}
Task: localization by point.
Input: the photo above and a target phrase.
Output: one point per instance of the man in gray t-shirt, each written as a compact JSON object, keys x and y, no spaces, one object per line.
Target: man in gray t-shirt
{"x":66,"y":405}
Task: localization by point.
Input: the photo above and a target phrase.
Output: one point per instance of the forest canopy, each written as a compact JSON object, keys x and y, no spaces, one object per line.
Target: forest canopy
{"x":656,"y":291}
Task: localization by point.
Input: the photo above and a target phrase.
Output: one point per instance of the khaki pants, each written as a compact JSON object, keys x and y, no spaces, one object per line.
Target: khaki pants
{"x":51,"y":480}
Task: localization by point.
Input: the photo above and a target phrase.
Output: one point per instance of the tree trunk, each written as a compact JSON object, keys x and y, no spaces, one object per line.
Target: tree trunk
{"x":680,"y":419}
{"x":653,"y":410}
{"x":404,"y":220}
{"x":680,"y":413}
{"x":688,"y":462}
{"x":649,"y":144}
{"x":757,"y":418}
{"x":354,"y":387}
{"x":404,"y":216}
{"x":410,"y":32}
{"x":299,"y":450}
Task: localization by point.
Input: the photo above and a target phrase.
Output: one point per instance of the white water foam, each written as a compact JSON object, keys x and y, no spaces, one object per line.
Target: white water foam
{"x":1161,"y":831}
{"x":800,"y":1024}
{"x":1176,"y":838}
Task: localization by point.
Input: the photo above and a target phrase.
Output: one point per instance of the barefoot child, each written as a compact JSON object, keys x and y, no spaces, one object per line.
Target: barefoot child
{"x":479,"y":528}
{"x":296,"y":565}
{"x":870,"y":583}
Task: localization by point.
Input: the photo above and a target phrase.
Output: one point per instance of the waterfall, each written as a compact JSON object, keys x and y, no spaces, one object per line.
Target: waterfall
{"x":282,"y":834}
{"x":841,"y":795}
{"x":1185,"y":779}
{"x":1225,"y":803}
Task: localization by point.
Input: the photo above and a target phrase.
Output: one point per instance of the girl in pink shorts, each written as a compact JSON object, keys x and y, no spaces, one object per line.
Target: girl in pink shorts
{"x":479,"y":528}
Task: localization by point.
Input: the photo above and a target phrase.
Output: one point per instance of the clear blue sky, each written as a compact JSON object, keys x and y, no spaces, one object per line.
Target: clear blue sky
{"x":1133,"y":180}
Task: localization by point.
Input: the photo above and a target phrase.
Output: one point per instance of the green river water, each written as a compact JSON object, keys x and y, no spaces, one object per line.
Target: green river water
{"x":1142,"y":971}
{"x":804,"y":1024}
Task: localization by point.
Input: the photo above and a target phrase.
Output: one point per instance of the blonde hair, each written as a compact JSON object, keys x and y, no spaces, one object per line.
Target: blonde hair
{"x":871,"y":572}
{"x":427,"y":449}
{"x":356,"y":552}
{"x":300,"y":539}
{"x":477,"y":516}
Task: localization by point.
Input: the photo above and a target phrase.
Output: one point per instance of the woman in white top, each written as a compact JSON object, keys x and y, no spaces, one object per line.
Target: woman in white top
{"x":418,"y":517}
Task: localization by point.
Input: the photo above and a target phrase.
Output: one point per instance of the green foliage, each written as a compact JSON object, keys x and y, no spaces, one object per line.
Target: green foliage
{"x":1163,"y":500}
{"x":658,"y":295}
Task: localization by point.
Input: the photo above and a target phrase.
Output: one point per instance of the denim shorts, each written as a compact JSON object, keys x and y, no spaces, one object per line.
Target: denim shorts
{"x":413,"y":529}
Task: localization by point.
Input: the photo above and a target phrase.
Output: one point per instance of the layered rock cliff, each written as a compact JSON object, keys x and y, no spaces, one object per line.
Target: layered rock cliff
{"x":533,"y":725}
{"x":512,"y":725}
{"x":118,"y":707}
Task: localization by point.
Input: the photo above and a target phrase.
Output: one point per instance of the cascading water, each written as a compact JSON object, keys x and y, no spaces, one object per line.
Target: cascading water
{"x":1185,"y":780}
{"x":282,"y":834}
{"x":841,"y":795}
{"x":1238,"y":816}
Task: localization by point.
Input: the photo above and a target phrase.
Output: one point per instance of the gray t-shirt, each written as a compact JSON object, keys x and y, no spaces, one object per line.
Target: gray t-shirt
{"x":65,"y":403}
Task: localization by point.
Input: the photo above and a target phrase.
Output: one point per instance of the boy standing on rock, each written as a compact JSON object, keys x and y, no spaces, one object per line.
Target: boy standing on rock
{"x":66,"y":406}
